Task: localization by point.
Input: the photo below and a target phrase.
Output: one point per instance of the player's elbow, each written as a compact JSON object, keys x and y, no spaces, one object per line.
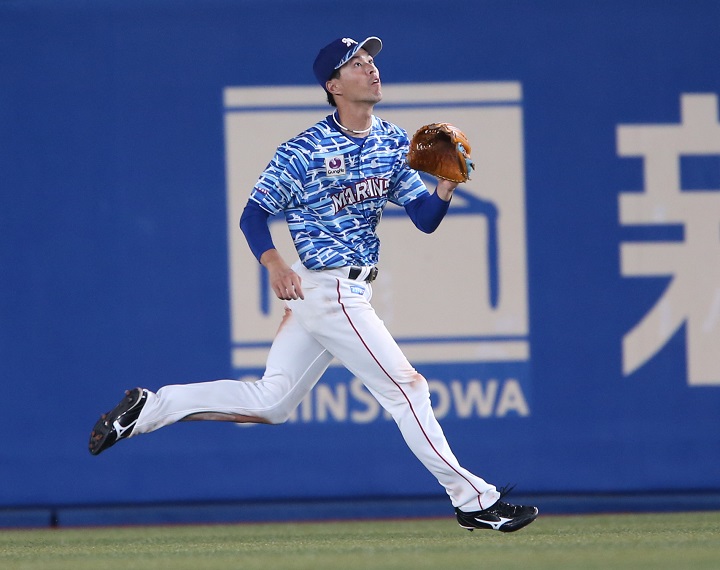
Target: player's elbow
{"x":246,"y":219}
{"x":427,"y":228}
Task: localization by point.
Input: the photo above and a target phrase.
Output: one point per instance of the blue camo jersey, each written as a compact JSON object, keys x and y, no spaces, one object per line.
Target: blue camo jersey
{"x":333,"y":190}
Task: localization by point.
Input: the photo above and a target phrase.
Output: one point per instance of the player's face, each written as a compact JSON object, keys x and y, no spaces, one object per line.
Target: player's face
{"x":359,"y":79}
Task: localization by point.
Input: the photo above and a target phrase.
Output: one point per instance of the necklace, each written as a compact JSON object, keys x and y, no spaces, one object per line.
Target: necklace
{"x":344,"y":128}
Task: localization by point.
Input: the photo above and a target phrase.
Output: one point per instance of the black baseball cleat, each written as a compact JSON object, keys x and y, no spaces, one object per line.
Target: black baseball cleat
{"x":118,"y":423}
{"x":501,"y":516}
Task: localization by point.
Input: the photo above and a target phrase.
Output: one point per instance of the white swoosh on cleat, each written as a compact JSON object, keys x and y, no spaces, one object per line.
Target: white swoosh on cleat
{"x":120,"y":429}
{"x":495,"y":524}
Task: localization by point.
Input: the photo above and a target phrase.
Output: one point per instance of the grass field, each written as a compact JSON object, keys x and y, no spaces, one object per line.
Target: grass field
{"x":657,"y":541}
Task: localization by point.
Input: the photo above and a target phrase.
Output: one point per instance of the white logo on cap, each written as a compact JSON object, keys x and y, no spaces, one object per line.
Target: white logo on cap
{"x":348,"y":41}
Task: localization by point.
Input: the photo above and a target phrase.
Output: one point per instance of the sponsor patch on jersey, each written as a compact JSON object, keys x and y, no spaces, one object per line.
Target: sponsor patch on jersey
{"x":357,"y":289}
{"x":335,"y":165}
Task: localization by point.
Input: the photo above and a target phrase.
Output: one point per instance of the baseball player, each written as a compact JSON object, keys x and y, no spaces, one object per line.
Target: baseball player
{"x":332,"y":183}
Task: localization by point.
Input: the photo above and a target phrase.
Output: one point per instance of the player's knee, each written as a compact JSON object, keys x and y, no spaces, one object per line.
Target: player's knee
{"x":415,"y":392}
{"x":417,"y":387}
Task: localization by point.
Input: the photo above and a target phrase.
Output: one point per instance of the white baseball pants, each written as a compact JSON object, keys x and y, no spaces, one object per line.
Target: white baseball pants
{"x":335,"y":320}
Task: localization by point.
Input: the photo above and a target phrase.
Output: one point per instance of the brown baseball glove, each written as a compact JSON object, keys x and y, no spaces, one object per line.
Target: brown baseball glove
{"x":442,"y":150}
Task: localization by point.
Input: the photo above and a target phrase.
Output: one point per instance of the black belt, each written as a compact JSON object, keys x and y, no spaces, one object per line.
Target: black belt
{"x":356,"y":272}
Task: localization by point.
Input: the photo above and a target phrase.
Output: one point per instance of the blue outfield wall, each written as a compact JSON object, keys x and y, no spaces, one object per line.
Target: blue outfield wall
{"x":566,"y":313}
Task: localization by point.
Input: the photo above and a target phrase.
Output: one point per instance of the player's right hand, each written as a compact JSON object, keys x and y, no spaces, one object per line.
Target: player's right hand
{"x":288,"y":288}
{"x":286,"y":284}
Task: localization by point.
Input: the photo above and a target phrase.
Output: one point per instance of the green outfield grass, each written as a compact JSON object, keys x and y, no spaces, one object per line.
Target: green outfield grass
{"x":657,"y":541}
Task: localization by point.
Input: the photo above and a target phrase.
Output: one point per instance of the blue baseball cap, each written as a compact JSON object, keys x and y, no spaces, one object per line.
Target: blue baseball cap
{"x":337,"y":53}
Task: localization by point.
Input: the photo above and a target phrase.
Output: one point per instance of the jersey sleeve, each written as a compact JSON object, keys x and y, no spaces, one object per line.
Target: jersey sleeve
{"x":407,"y":187}
{"x":280,"y":185}
{"x":406,"y":183}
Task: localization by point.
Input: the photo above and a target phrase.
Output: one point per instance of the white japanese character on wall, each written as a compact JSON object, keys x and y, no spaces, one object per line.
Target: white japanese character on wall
{"x":693,"y":294}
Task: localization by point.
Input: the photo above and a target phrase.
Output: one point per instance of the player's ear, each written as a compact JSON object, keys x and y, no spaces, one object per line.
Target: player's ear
{"x":333,"y":87}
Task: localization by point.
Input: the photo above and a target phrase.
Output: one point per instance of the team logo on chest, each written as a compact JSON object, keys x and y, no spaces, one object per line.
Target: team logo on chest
{"x":335,"y":165}
{"x":359,"y":192}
